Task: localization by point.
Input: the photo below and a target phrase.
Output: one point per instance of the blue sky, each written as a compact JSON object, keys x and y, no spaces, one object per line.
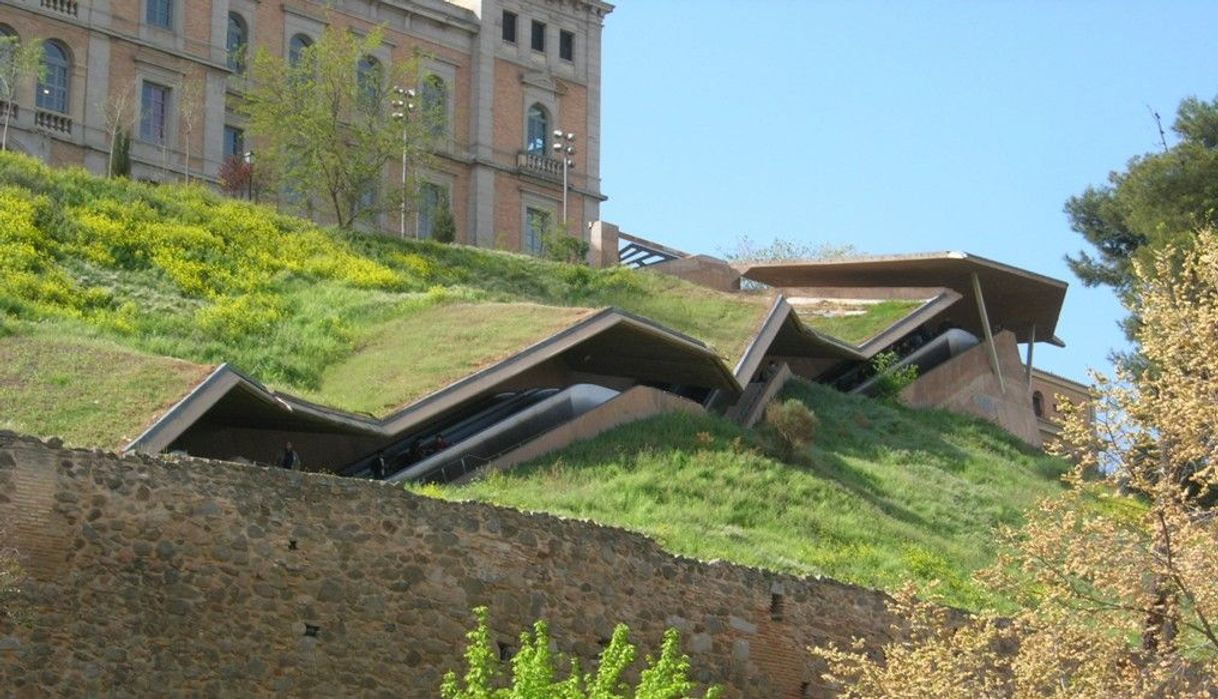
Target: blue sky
{"x":893,"y":126}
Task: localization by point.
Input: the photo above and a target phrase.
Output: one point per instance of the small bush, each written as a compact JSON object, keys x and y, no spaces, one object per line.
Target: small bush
{"x":793,"y":423}
{"x":891,"y":381}
{"x":534,"y":672}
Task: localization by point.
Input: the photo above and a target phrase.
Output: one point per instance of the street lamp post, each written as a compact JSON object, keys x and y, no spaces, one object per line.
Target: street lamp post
{"x":403,"y":105}
{"x":564,"y":148}
{"x":248,"y":157}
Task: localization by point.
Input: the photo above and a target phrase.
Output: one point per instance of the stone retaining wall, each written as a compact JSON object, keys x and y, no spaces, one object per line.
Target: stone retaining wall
{"x":195,"y":577}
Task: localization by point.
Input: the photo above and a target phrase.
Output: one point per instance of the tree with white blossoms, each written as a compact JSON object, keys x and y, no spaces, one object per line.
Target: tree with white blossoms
{"x":1116,"y":579}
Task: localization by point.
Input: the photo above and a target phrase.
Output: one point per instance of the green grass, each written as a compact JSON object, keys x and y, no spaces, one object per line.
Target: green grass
{"x":87,"y":391}
{"x":403,"y":360}
{"x":884,"y":494}
{"x":182,"y":272}
{"x":857,"y":329}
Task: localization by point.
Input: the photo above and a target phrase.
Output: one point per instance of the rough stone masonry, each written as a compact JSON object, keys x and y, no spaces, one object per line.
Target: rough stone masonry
{"x":154,"y":577}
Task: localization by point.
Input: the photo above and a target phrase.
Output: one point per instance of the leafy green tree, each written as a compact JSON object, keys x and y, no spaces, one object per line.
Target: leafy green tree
{"x":19,"y":61}
{"x":1156,"y":201}
{"x":534,"y":675}
{"x":322,"y":124}
{"x":444,"y":230}
{"x":558,"y":246}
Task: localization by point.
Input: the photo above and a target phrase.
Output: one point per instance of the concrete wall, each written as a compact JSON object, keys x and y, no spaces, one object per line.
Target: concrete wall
{"x":702,"y":270}
{"x":967,"y":384}
{"x":635,"y":404}
{"x":153,"y":577}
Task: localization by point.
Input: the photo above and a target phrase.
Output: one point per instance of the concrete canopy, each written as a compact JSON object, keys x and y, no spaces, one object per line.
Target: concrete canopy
{"x":611,"y":345}
{"x":1026,"y":303}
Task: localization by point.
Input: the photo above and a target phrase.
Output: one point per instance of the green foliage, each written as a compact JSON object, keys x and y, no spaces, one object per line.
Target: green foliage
{"x":120,"y":161}
{"x":559,"y":246}
{"x":19,"y":61}
{"x":534,"y":675}
{"x":891,"y":379}
{"x":882,"y":487}
{"x":183,"y":272}
{"x":793,"y":423}
{"x":444,"y":230}
{"x":324,"y":134}
{"x":1155,"y":202}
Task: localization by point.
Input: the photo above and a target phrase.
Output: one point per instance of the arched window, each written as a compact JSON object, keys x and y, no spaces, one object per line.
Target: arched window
{"x":296,"y":47}
{"x":538,"y":140}
{"x":370,"y":77}
{"x":1038,"y":403}
{"x":435,"y":105}
{"x":238,"y":39}
{"x":52,"y":90}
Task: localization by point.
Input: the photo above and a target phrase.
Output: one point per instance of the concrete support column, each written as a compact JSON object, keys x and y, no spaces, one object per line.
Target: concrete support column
{"x":602,"y":244}
{"x":989,"y":333}
{"x":1031,"y":345}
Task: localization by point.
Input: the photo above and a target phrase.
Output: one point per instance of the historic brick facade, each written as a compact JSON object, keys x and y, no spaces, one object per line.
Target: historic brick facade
{"x":171,"y":58}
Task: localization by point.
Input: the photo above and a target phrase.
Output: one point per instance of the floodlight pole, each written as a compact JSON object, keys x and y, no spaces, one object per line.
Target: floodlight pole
{"x":564,"y":147}
{"x":403,"y":105}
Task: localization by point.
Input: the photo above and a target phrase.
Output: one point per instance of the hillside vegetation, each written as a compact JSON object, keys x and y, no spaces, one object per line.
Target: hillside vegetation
{"x":182,"y":272}
{"x":883,"y":494}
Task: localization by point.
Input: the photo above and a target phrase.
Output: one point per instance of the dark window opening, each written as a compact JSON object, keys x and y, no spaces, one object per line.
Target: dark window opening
{"x":566,"y":45}
{"x":509,"y":27}
{"x":539,"y":36}
{"x":234,"y":142}
{"x":505,"y":651}
{"x":159,"y":13}
{"x":1038,"y":404}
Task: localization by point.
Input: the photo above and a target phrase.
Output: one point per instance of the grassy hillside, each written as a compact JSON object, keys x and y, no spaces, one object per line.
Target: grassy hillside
{"x":884,"y":493}
{"x":181,"y":272}
{"x":87,"y":391}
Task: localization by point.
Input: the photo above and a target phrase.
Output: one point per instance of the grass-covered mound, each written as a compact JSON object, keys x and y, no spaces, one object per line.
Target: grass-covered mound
{"x":883,"y":494}
{"x":88,"y":391}
{"x":182,"y":272}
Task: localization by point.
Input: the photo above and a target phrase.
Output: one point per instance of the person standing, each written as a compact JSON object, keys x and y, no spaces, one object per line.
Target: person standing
{"x":289,"y":459}
{"x":378,"y":465}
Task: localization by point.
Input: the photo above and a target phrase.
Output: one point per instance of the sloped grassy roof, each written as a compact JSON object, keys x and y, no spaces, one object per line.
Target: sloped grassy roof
{"x":90,"y":392}
{"x":182,"y":272}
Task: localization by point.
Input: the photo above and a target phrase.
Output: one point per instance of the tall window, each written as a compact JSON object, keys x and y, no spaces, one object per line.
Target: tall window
{"x":159,"y":13}
{"x":52,"y":91}
{"x":296,"y":47}
{"x":1038,"y":403}
{"x":434,"y":99}
{"x":538,"y":140}
{"x":536,"y":222}
{"x":369,"y":76}
{"x":538,"y":38}
{"x":566,"y":45}
{"x":234,"y":142}
{"x":509,"y":27}
{"x":431,"y":197}
{"x":238,"y":39}
{"x":154,"y":112}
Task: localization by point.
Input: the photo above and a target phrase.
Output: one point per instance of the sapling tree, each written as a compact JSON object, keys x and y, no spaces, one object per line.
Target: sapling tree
{"x":19,"y":61}
{"x":324,"y":130}
{"x":534,"y":672}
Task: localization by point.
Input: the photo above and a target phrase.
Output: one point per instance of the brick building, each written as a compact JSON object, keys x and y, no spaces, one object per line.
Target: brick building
{"x":507,"y":73}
